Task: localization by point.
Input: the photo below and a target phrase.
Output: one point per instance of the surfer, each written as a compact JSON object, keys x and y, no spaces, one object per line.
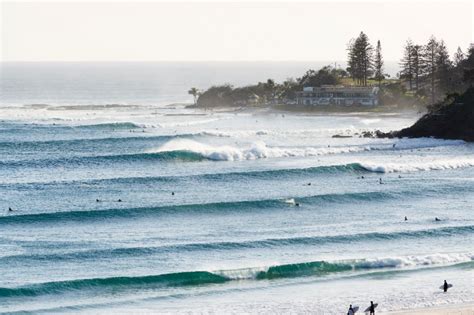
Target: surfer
{"x":350,"y":311}
{"x":372,"y":308}
{"x":445,"y":286}
{"x":406,"y":219}
{"x":437,"y":219}
{"x":380,"y":181}
{"x":10,"y":209}
{"x":120,"y":200}
{"x":172,"y":193}
{"x":97,"y":200}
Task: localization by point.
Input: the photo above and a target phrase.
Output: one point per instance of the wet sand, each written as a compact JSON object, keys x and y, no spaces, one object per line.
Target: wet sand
{"x":461,"y":309}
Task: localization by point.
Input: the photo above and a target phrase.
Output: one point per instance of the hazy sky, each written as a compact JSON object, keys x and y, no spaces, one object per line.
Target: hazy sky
{"x":224,"y":30}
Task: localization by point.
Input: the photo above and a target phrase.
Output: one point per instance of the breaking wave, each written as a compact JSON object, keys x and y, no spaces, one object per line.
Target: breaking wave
{"x":257,"y":150}
{"x":418,"y":166}
{"x":193,"y":278}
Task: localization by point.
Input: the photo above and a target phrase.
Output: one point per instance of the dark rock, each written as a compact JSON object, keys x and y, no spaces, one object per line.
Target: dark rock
{"x":453,"y":120}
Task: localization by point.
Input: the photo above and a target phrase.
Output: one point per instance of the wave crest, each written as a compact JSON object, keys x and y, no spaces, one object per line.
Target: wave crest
{"x":303,"y":269}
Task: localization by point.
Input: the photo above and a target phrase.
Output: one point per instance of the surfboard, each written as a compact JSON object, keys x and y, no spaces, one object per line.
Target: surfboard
{"x":355,"y":308}
{"x":368,"y":308}
{"x":449,"y":286}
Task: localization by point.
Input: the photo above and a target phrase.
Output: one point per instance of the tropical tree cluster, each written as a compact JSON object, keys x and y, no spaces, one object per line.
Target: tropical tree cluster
{"x":363,"y":61}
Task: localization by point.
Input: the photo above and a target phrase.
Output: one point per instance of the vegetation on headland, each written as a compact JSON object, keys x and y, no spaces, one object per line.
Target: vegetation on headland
{"x":452,"y":118}
{"x":427,"y":75}
{"x":268,"y":92}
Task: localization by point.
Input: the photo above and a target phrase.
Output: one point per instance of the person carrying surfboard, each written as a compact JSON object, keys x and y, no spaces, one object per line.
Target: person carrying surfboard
{"x":350,"y":311}
{"x":372,"y":308}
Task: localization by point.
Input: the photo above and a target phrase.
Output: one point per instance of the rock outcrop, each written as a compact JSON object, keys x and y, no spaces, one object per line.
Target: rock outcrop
{"x":453,"y":120}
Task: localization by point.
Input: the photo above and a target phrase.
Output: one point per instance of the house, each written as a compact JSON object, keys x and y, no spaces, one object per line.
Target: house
{"x":338,"y":95}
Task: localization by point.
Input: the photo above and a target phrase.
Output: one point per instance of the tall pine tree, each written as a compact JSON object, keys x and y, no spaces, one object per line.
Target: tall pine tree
{"x":443,"y":68}
{"x":429,"y":65}
{"x":417,"y":60}
{"x":360,"y":59}
{"x":407,"y":63}
{"x":458,"y":57}
{"x":378,"y":64}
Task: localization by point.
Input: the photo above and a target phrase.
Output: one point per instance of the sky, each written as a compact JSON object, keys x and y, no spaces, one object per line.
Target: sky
{"x":223,"y":30}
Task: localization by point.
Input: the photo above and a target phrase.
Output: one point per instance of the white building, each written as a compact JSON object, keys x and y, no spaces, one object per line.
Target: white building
{"x":338,"y":95}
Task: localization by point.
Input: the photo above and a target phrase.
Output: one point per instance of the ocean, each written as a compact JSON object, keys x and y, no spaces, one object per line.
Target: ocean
{"x":126,"y":201}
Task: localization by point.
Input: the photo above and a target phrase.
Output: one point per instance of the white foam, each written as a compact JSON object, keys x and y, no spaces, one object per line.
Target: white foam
{"x":413,"y":261}
{"x":257,"y":150}
{"x":437,"y":259}
{"x":187,"y":123}
{"x":418,"y":166}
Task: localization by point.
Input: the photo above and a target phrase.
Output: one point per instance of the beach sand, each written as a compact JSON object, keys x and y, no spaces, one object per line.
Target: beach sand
{"x":461,"y":309}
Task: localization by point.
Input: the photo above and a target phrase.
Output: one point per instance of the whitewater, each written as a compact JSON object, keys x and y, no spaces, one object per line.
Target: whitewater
{"x":124,"y":204}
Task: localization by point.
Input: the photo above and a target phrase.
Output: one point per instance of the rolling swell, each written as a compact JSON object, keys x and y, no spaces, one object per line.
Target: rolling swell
{"x":196,"y":278}
{"x":111,"y":125}
{"x":250,"y":205}
{"x":84,"y":142}
{"x":183,"y":156}
{"x":250,"y":244}
{"x":164,"y":280}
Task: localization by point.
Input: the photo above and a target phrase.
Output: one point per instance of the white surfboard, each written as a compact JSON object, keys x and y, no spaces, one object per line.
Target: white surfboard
{"x":355,"y":308}
{"x":449,"y":286}
{"x":368,"y":308}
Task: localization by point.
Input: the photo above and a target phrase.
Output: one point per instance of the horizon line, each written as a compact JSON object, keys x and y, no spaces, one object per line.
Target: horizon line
{"x":175,"y":61}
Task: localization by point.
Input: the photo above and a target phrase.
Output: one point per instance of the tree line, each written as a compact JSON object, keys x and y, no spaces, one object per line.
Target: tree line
{"x":429,"y":70}
{"x":269,"y":91}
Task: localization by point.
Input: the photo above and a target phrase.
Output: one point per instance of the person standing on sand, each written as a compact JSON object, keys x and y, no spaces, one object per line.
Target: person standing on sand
{"x":445,"y":286}
{"x":372,"y":308}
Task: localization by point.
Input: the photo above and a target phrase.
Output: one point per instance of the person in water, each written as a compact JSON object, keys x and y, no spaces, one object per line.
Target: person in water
{"x":437,"y":219}
{"x":350,"y":311}
{"x":372,"y":308}
{"x":380,"y":180}
{"x":406,"y":219}
{"x":10,"y":209}
{"x":445,"y":286}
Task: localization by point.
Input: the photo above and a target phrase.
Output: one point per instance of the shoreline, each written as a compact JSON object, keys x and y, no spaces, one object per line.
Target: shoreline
{"x":456,"y":309}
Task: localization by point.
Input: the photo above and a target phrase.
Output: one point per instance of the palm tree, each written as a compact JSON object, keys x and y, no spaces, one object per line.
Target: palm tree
{"x":195,"y":93}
